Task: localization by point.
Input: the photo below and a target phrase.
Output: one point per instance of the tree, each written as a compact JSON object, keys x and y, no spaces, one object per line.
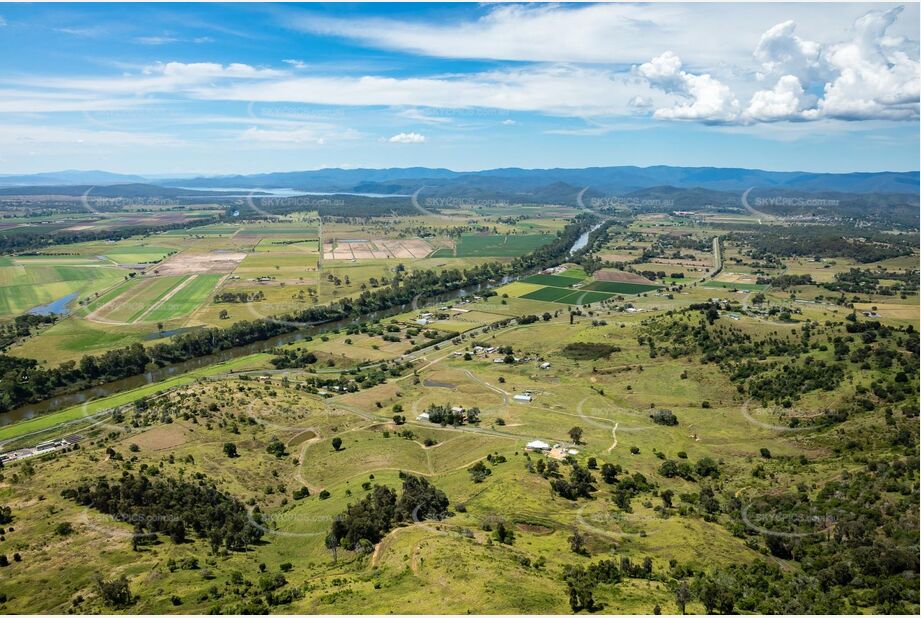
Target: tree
{"x":577,"y":543}
{"x":682,"y":595}
{"x":504,"y":535}
{"x":337,"y":443}
{"x":115,"y":593}
{"x":230,"y":450}
{"x":479,"y":472}
{"x":581,"y":588}
{"x":667,"y":496}
{"x":575,"y":435}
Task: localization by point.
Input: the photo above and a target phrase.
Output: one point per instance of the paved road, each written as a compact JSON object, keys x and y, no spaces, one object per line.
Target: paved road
{"x":717,"y":259}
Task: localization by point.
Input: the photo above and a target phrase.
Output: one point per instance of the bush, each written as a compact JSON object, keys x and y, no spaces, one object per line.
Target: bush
{"x":115,"y":593}
{"x":664,"y":417}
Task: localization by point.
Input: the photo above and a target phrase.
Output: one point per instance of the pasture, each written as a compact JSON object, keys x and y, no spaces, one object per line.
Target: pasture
{"x":482,"y":245}
{"x":27,"y":282}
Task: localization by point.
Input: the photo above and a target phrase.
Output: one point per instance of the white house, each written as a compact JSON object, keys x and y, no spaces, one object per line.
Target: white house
{"x":537,"y":445}
{"x":544,"y":365}
{"x":423,"y":417}
{"x":522,"y":397}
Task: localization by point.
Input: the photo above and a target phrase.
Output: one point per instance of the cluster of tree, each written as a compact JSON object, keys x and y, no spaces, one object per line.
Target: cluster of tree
{"x":339,"y":207}
{"x":588,"y":351}
{"x":287,"y":358}
{"x":582,"y":581}
{"x":23,"y":381}
{"x":446,"y":415}
{"x":784,"y":282}
{"x":866,"y":281}
{"x":366,"y":522}
{"x":172,"y":507}
{"x":581,"y":484}
{"x":705,"y":467}
{"x":22,"y":326}
{"x":239,"y":297}
{"x":25,"y":239}
{"x":664,"y":417}
{"x":787,"y":382}
{"x":861,"y":244}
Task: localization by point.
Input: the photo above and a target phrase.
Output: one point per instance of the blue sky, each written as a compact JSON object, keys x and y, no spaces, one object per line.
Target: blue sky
{"x":240,"y":88}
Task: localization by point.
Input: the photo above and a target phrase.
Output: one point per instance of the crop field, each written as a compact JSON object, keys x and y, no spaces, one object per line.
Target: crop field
{"x":548,"y":293}
{"x":26,"y":283}
{"x":216,"y":229}
{"x":511,"y":245}
{"x":552,"y":280}
{"x":618,"y":287}
{"x":195,"y":290}
{"x":153,"y":299}
{"x":138,"y":254}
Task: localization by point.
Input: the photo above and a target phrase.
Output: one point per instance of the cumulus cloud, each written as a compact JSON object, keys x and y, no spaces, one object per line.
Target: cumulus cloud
{"x":407,"y":138}
{"x":878,"y":76}
{"x":783,"y":102}
{"x":781,"y":52}
{"x":873,"y":75}
{"x":705,"y":98}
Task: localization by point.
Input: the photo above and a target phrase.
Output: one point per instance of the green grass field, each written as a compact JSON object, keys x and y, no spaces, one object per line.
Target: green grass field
{"x":27,"y":283}
{"x":583,"y":297}
{"x":552,"y":280}
{"x":616,"y":287}
{"x":186,"y":300}
{"x":548,"y":293}
{"x":477,"y":245}
{"x":734,"y":286}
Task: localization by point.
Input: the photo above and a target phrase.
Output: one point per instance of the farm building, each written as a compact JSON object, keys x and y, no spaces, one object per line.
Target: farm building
{"x":537,"y":445}
{"x":522,"y":397}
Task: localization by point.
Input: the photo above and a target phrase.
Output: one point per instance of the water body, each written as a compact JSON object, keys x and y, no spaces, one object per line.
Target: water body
{"x":582,"y":241}
{"x":58,"y":306}
{"x":72,"y":399}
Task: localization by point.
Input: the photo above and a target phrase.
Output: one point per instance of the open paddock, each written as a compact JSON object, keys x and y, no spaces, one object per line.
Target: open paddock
{"x":187,"y":263}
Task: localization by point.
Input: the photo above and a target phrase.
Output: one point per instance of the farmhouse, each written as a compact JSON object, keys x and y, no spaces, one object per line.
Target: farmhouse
{"x":544,"y":365}
{"x":537,"y":445}
{"x":522,"y":397}
{"x":423,"y":417}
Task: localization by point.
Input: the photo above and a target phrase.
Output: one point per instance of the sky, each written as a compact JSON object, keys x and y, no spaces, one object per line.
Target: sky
{"x":244,"y":88}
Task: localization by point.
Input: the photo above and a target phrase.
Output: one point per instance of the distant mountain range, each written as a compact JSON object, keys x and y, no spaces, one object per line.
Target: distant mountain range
{"x":540,"y":185}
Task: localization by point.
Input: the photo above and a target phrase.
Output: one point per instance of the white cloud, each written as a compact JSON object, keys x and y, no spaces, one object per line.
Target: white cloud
{"x":878,"y":75}
{"x":508,"y":122}
{"x":2,"y":21}
{"x":155,"y":40}
{"x":781,"y":52}
{"x":407,"y":138}
{"x":874,"y":75}
{"x":706,"y":98}
{"x":783,"y":102}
